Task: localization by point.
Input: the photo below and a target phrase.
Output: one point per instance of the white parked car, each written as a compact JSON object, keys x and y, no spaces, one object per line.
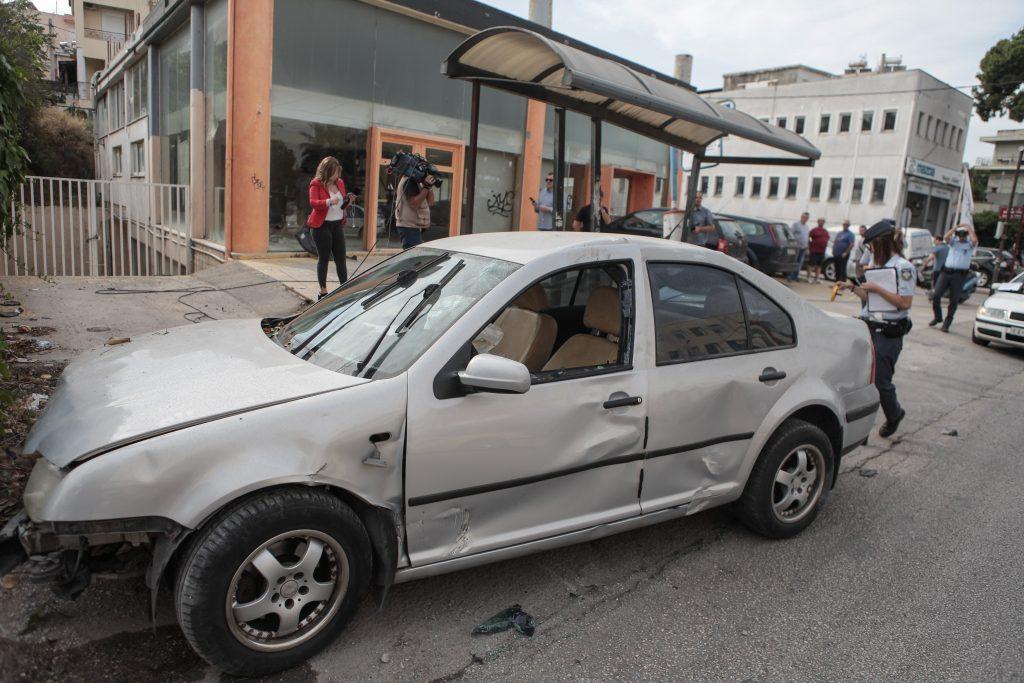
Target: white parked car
{"x":1000,"y":320}
{"x":467,"y":401}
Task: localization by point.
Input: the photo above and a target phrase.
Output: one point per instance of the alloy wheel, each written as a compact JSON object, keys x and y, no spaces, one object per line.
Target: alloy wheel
{"x":798,"y":483}
{"x":287,"y":590}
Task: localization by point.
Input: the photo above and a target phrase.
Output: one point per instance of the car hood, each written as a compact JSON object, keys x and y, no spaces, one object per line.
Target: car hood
{"x":168,"y":380}
{"x":1011,"y":301}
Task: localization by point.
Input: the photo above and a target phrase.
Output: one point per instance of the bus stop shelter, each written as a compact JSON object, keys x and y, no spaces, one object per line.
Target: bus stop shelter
{"x":526,"y":63}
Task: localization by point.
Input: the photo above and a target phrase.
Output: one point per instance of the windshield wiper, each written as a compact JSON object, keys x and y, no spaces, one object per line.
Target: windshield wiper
{"x":404,"y":279}
{"x":430,"y":293}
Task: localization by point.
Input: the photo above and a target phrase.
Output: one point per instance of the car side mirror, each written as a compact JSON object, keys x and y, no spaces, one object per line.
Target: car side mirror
{"x":495,"y":374}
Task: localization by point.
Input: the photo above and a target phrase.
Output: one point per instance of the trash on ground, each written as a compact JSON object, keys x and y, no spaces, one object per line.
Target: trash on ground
{"x":44,"y":344}
{"x":9,"y":581}
{"x":385,"y":658}
{"x":114,"y":341}
{"x":36,"y":401}
{"x":10,"y":314}
{"x":97,"y":329}
{"x":513,"y":617}
{"x":950,"y":432}
{"x":10,"y":302}
{"x":867,"y":472}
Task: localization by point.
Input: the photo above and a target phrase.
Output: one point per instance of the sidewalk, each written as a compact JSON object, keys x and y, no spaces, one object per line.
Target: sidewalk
{"x":299,"y":274}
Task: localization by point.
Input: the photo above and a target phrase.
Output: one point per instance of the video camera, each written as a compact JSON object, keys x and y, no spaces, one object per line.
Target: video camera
{"x":414,"y":166}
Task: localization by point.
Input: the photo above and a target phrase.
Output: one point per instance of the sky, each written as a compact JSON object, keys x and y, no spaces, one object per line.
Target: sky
{"x":946,"y":38}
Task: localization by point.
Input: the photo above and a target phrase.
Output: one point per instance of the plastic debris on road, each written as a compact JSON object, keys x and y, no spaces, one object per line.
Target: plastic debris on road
{"x":867,"y":472}
{"x":36,"y":401}
{"x":513,"y":617}
{"x":950,"y":432}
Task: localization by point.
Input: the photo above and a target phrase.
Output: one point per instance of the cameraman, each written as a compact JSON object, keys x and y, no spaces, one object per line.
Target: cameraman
{"x":412,"y":209}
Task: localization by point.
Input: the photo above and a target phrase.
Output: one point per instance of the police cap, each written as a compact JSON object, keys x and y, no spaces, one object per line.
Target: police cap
{"x":882,"y":227}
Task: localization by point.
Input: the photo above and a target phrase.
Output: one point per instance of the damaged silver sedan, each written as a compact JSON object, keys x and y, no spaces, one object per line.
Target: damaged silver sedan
{"x":464,"y":402}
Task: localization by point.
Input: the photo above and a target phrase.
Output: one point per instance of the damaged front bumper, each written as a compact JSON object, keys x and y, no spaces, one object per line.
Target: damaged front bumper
{"x":67,"y":554}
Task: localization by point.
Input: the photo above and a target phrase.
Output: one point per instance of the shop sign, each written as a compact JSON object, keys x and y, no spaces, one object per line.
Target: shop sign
{"x":1016,"y":215}
{"x":939,"y":174}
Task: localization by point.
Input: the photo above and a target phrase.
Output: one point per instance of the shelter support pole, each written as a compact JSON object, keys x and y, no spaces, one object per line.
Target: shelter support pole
{"x":691,"y":195}
{"x":595,"y":174}
{"x":1009,"y":222}
{"x":474,"y":130}
{"x":558,"y":196}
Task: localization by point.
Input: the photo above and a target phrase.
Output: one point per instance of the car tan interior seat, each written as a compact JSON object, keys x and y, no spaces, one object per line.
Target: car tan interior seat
{"x":603,"y":317}
{"x":528,"y":336}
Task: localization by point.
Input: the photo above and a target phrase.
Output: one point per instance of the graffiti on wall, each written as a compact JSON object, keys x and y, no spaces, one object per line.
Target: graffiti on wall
{"x":500,"y":203}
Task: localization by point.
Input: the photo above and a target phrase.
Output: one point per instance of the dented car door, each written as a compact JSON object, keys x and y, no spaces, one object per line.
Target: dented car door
{"x":486,"y":471}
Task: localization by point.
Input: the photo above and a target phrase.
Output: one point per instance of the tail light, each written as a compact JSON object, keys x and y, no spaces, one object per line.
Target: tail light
{"x":771,"y":233}
{"x":723,"y":245}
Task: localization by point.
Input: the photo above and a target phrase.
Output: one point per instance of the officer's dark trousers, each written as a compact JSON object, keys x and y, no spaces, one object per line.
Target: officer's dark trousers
{"x":951,"y":281}
{"x":887,"y":352}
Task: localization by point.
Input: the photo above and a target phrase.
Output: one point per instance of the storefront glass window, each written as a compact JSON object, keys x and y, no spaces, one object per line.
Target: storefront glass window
{"x":215,"y":77}
{"x":296,"y":148}
{"x":174,"y":93}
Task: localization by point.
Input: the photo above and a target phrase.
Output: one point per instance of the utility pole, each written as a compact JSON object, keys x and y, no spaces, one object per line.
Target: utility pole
{"x":1009,"y":219}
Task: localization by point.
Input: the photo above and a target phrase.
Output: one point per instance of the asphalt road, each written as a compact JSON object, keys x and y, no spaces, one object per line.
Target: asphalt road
{"x":914,"y":570}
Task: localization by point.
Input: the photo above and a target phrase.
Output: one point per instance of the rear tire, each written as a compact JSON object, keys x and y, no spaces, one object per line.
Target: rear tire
{"x":270,"y":553}
{"x":829,"y":271}
{"x":789,"y":482}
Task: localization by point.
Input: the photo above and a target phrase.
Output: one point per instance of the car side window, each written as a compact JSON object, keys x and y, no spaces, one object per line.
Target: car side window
{"x":752,"y":229}
{"x":569,"y":323}
{"x":770,"y":326}
{"x":698,"y":313}
{"x":650,"y":219}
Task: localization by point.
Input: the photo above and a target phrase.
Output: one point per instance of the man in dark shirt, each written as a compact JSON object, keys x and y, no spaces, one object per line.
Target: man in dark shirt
{"x":582,"y":220}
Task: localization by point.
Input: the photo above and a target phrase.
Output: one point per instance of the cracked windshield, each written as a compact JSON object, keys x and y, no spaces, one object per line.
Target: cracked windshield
{"x":378,"y":324}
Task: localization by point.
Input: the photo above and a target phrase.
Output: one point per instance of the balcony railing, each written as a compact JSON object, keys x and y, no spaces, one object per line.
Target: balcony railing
{"x":105,"y":35}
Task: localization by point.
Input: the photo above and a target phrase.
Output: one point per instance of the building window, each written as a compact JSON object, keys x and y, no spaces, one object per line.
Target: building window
{"x":719,"y":183}
{"x":755,"y":186}
{"x":921,"y":130}
{"x":781,"y":122}
{"x":216,"y":78}
{"x":138,"y":158}
{"x":798,"y":124}
{"x":815,"y":188}
{"x":959,"y":137}
{"x":826,"y":120}
{"x":858,"y":189}
{"x":138,"y":91}
{"x":889,"y":120}
{"x":117,"y":162}
{"x":173,"y":82}
{"x":116,"y":99}
{"x":835,"y":189}
{"x":844,"y":122}
{"x":878,"y":190}
{"x":704,"y":184}
{"x":102,"y":123}
{"x":866,"y":119}
{"x":928,"y":128}
{"x":741,"y":185}
{"x":791,"y":186}
{"x":773,"y":187}
{"x":943,"y":133}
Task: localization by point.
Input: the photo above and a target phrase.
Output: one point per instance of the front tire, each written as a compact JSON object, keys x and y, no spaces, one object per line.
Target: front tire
{"x":983,"y":278}
{"x":272,"y":580}
{"x":789,"y":482}
{"x":830,"y":270}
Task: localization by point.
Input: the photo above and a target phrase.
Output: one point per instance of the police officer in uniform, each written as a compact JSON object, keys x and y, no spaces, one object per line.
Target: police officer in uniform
{"x":887,"y":327}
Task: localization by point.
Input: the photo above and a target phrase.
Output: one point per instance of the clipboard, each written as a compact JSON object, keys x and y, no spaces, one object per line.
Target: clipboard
{"x":887,"y":279}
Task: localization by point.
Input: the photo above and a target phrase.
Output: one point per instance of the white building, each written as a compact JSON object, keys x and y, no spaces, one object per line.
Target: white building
{"x":1001,"y":168}
{"x":891,"y":144}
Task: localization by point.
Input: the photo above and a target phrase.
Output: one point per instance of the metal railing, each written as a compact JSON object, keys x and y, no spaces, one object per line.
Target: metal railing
{"x":105,"y":35}
{"x":71,"y":227}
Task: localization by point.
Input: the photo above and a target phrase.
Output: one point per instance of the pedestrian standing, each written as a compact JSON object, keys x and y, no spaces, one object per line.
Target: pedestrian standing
{"x":412,"y":209}
{"x":936,"y":259}
{"x":327,"y":201}
{"x":817,"y":244}
{"x":701,"y":223}
{"x":581,"y":223}
{"x":887,"y":327}
{"x":802,"y":234}
{"x":962,"y":242}
{"x":841,"y":248}
{"x":544,"y":205}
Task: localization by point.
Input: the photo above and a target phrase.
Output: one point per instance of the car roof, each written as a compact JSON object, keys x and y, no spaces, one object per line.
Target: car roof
{"x":525,"y":246}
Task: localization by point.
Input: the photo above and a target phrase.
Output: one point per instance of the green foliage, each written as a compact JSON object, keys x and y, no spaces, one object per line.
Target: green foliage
{"x":60,"y":144}
{"x":985,"y":227}
{"x":1001,"y":76}
{"x":21,"y":93}
{"x":979,"y":184}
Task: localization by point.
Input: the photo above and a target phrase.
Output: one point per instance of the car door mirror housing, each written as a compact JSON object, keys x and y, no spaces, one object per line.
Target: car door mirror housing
{"x":495,"y":374}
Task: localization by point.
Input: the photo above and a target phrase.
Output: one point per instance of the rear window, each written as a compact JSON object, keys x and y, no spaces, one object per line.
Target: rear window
{"x":730,"y":228}
{"x":751,"y":229}
{"x":782,"y":230}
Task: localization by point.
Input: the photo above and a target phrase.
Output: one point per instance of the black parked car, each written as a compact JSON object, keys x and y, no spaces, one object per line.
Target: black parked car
{"x":727,"y":238}
{"x":771,"y":246}
{"x":984,"y":262}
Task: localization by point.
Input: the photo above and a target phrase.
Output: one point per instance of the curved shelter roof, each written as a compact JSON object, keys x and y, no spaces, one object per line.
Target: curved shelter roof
{"x":527,"y":63}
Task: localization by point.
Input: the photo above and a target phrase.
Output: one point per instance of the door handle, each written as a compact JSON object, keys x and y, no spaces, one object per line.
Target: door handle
{"x":771,"y":375}
{"x":622,"y":402}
